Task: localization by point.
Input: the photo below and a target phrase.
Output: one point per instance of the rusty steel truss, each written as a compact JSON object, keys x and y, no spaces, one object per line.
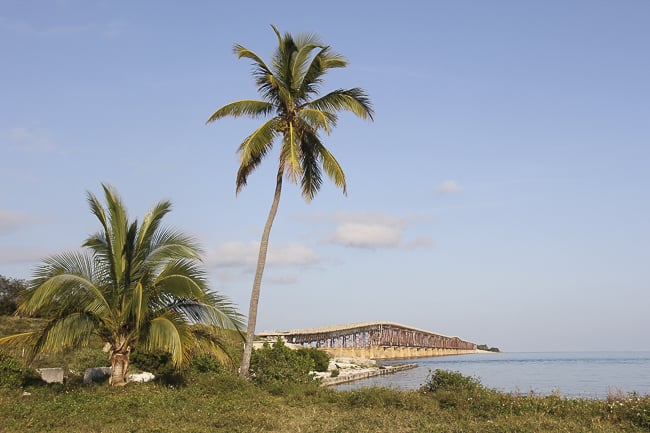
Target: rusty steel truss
{"x":369,"y":334}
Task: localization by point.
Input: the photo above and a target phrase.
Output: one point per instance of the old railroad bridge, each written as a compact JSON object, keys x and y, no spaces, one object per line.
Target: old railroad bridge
{"x":374,"y":340}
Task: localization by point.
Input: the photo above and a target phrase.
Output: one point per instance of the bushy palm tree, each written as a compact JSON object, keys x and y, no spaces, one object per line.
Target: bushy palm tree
{"x":289,"y":88}
{"x":136,"y":285}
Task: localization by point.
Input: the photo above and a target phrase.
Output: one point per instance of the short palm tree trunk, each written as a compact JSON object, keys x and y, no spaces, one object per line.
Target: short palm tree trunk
{"x":119,"y":369}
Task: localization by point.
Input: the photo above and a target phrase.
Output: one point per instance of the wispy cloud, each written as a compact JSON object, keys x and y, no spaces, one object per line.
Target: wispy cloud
{"x":240,"y":254}
{"x":373,"y":230}
{"x":11,"y":221}
{"x":25,"y":139}
{"x":449,"y":186}
{"x":368,"y":235}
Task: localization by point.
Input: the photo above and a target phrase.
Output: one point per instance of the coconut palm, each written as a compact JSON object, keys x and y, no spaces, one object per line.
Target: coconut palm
{"x":289,"y":88}
{"x":136,"y":285}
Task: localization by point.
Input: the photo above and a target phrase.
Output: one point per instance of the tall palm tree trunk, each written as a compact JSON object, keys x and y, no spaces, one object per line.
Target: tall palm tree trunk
{"x":257,"y":282}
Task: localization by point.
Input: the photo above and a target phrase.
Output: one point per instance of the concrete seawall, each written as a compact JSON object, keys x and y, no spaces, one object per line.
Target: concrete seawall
{"x":389,"y":369}
{"x":383,"y":353}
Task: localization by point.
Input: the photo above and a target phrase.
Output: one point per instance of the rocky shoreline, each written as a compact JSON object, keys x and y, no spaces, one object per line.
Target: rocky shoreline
{"x":351,"y":369}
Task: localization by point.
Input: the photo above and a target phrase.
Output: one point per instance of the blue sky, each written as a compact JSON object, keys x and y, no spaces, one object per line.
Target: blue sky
{"x":501,"y":194}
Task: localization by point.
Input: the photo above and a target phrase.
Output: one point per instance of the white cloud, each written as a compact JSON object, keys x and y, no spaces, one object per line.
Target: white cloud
{"x":20,"y":138}
{"x":374,"y":230}
{"x":449,"y":186}
{"x":240,"y":254}
{"x":11,"y":221}
{"x":291,"y":255}
{"x":368,"y":235}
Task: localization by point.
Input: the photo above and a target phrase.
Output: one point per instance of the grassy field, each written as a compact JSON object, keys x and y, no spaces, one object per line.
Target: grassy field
{"x":212,"y":402}
{"x":223,"y":403}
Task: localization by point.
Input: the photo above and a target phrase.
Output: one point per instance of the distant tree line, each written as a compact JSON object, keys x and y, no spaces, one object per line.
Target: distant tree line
{"x":489,"y":349}
{"x":10,"y":289}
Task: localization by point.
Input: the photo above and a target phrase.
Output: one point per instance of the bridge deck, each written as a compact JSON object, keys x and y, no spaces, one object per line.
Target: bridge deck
{"x":370,"y":334}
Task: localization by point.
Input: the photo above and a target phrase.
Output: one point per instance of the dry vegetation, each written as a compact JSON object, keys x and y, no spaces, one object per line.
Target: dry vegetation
{"x":210,"y":401}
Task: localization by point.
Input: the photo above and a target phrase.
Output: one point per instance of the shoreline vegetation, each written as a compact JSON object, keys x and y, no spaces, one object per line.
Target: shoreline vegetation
{"x":206,"y":397}
{"x":222,"y":402}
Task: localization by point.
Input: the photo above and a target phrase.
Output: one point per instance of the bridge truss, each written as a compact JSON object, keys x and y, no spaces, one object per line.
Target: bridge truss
{"x":373,"y":336}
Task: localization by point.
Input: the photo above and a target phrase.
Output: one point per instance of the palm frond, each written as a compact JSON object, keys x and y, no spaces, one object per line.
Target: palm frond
{"x":217,"y":342}
{"x":291,"y":154}
{"x":332,"y":167}
{"x":118,"y":223}
{"x":149,"y":227}
{"x":354,"y":100}
{"x":281,"y":60}
{"x":214,"y":313}
{"x":331,"y":60}
{"x":181,"y":279}
{"x":253,"y":149}
{"x":169,"y":244}
{"x":243,"y":108}
{"x":300,"y":60}
{"x":171,"y":334}
{"x":320,"y":63}
{"x":71,"y":331}
{"x":317,"y":119}
{"x":243,"y":52}
{"x":245,"y":169}
{"x":102,"y":241}
{"x":311,"y":180}
{"x":24,"y":339}
{"x":27,"y":341}
{"x":64,"y":280}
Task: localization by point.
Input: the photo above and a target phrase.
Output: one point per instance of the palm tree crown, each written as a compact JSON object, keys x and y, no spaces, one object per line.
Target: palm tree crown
{"x":289,"y":89}
{"x":136,"y":285}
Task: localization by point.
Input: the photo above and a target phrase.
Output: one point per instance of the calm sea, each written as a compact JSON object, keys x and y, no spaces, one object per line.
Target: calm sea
{"x":571,"y":374}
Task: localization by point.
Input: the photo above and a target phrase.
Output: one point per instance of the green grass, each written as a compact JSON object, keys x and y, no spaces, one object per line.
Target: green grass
{"x":211,"y":402}
{"x":224,"y":403}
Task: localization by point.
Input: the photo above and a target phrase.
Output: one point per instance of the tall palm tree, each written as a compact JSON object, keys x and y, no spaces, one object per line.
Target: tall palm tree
{"x":137,"y":285}
{"x":289,"y":89}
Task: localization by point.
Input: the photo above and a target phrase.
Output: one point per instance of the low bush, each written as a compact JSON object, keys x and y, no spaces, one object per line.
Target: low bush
{"x":451,"y":381}
{"x":12,"y":374}
{"x":277,"y":364}
{"x":206,"y":363}
{"x":320,"y":357}
{"x":10,"y":289}
{"x":158,"y":362}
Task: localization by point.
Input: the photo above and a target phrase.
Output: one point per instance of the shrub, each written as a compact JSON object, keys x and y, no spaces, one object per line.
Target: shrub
{"x":444,"y":380}
{"x":320,"y":357}
{"x":486,"y":347}
{"x":277,"y":364}
{"x":11,"y":374}
{"x":157,"y":362}
{"x":206,"y":364}
{"x":10,"y":289}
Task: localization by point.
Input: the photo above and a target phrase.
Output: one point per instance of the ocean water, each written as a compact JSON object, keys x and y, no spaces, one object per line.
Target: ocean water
{"x":570,"y":374}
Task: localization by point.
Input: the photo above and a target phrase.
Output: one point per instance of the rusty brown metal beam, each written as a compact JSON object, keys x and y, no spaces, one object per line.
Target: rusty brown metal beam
{"x":371,"y":334}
